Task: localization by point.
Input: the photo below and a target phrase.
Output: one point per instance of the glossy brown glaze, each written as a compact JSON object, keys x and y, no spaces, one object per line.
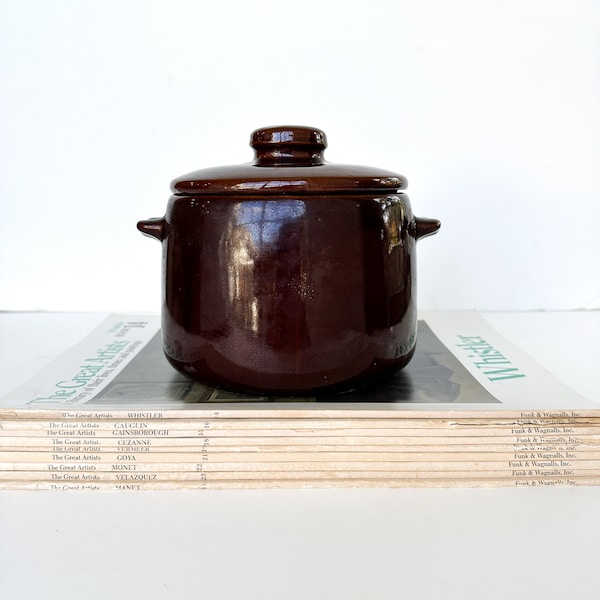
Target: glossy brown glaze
{"x":289,"y":275}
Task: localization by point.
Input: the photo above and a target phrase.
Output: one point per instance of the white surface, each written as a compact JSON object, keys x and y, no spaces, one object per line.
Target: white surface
{"x":325,"y":544}
{"x":489,"y":108}
{"x":343,"y":545}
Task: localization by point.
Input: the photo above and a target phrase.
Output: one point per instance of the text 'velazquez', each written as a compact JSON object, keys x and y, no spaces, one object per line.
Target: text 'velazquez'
{"x":490,"y":361}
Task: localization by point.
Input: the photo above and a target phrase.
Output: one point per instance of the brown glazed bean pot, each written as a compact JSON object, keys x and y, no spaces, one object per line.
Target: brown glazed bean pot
{"x":289,"y":275}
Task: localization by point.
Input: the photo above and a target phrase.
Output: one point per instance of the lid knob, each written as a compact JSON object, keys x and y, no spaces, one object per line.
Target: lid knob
{"x":288,"y":145}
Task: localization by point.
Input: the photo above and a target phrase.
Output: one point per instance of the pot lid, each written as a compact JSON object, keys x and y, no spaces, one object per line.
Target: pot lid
{"x":288,"y":159}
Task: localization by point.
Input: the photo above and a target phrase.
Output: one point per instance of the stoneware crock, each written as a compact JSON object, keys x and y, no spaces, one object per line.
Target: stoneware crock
{"x":289,"y":275}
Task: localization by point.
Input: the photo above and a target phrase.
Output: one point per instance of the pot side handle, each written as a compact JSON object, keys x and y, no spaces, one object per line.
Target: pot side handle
{"x":155,"y":228}
{"x":425,"y":227}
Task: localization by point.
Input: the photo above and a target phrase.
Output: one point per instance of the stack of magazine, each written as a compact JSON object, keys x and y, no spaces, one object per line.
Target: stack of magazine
{"x":470,"y":410}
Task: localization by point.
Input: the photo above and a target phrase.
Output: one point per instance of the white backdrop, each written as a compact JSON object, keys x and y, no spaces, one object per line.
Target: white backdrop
{"x":490,"y":108}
